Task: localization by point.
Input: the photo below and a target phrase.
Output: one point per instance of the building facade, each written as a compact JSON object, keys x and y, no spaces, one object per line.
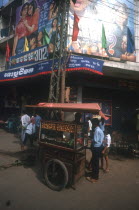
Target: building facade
{"x":102,"y":64}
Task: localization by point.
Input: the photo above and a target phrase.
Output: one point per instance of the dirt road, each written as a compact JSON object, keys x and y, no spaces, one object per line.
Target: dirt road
{"x":23,"y":188}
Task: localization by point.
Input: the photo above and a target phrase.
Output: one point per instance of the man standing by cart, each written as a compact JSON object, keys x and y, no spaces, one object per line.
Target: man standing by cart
{"x":25,"y":120}
{"x":96,"y":151}
{"x":37,"y":125}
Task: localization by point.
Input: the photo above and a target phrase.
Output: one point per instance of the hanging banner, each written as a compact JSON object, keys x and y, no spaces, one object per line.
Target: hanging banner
{"x":75,"y":63}
{"x":30,"y":57}
{"x":102,"y":28}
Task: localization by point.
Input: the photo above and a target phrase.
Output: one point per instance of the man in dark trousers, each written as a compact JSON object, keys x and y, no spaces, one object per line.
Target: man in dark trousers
{"x":38,"y":120}
{"x":96,"y":151}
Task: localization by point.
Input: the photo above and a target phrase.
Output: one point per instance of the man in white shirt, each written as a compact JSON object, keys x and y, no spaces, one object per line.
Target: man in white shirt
{"x":89,"y":126}
{"x":25,"y":120}
{"x":29,"y":133}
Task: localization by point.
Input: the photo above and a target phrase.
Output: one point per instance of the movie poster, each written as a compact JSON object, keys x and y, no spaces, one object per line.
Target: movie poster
{"x":102,"y":28}
{"x":36,"y":25}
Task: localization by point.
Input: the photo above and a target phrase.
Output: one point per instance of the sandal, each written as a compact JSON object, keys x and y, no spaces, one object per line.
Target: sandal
{"x":106,"y":171}
{"x":91,"y":180}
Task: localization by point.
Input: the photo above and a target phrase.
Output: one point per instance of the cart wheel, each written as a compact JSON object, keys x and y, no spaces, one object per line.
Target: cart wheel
{"x":56,"y":174}
{"x":40,"y":154}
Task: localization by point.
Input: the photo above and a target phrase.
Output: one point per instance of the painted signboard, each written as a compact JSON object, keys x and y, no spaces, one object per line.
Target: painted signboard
{"x":103,"y":28}
{"x":36,"y":24}
{"x":27,"y":58}
{"x":75,"y":63}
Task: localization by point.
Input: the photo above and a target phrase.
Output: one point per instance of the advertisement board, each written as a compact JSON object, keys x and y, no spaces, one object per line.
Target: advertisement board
{"x":75,"y":63}
{"x":102,"y":28}
{"x":36,"y":24}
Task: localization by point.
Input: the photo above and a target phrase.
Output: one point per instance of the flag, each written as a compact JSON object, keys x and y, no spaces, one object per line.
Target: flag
{"x":130,"y":42}
{"x":26,"y":48}
{"x":103,"y":38}
{"x":46,"y":38}
{"x":7,"y":52}
{"x":75,"y":28}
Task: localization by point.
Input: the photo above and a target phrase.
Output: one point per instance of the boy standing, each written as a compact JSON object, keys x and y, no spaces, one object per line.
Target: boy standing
{"x":105,"y":151}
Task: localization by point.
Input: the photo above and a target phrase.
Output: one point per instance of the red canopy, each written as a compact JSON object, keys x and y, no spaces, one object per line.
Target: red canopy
{"x":70,"y":107}
{"x":103,"y":115}
{"x":73,"y":107}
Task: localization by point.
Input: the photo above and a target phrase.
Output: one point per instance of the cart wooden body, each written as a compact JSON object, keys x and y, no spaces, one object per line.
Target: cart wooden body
{"x":62,"y":146}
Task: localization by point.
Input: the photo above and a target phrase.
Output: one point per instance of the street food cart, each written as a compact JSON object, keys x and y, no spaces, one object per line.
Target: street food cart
{"x":62,"y":145}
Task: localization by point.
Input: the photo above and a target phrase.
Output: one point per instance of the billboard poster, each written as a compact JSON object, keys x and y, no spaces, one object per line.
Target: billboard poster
{"x":102,"y":28}
{"x":36,"y":24}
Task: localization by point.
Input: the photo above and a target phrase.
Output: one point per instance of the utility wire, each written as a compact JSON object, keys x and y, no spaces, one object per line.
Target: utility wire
{"x":108,"y":3}
{"x":131,"y":20}
{"x":131,"y":2}
{"x":115,"y":5}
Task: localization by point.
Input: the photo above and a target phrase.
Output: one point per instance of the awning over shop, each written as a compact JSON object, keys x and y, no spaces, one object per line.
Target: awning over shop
{"x":75,"y":63}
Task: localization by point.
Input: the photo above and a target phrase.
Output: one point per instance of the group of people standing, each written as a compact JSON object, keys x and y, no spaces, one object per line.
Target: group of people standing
{"x":30,"y":129}
{"x":101,"y":141}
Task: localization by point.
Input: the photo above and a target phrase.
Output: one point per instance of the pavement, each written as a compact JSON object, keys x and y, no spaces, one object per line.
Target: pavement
{"x":10,"y":145}
{"x":23,"y":188}
{"x":10,"y":149}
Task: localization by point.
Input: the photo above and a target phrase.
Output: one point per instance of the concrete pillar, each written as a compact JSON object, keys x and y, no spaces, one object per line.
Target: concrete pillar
{"x":136,"y":21}
{"x":79,"y":94}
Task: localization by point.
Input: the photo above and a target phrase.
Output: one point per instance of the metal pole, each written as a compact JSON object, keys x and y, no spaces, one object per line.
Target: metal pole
{"x":57,"y":81}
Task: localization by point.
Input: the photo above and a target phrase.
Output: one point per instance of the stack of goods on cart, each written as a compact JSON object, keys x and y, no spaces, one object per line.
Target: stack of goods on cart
{"x":62,"y":134}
